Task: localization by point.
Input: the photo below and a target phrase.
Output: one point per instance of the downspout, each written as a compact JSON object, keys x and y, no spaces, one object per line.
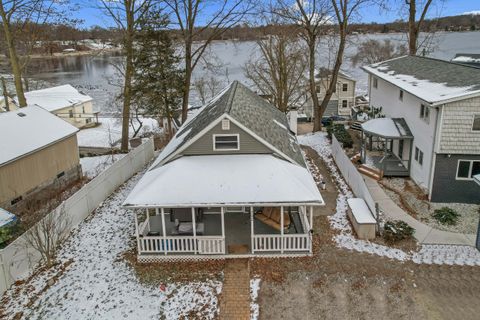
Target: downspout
{"x":436,"y":141}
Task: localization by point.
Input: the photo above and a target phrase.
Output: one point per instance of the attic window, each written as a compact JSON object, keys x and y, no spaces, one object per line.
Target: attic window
{"x":21,"y":114}
{"x":226,"y":142}
{"x":225,"y":124}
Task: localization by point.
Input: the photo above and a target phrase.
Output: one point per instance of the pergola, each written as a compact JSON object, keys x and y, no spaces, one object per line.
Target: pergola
{"x":384,"y":133}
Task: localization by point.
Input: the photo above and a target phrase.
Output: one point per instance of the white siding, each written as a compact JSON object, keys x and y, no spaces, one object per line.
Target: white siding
{"x":456,"y":135}
{"x":386,"y":96}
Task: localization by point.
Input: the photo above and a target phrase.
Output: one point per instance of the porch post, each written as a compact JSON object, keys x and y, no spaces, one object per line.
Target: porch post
{"x":164,"y":230}
{"x":252,"y":234}
{"x":385,"y":148}
{"x":148,"y":218}
{"x":311,"y":217}
{"x":136,"y":232}
{"x":281,"y":229}
{"x":222,"y":212}
{"x":194,"y":226}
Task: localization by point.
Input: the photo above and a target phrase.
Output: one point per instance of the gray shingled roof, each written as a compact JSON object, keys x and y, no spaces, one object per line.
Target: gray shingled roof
{"x":430,"y":79}
{"x":249,"y":109}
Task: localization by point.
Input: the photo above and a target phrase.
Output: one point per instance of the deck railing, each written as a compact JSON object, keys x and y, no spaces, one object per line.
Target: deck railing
{"x":275,"y":242}
{"x":190,"y":244}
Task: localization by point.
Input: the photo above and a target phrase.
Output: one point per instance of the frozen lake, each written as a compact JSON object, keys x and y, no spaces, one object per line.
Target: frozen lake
{"x":96,"y":75}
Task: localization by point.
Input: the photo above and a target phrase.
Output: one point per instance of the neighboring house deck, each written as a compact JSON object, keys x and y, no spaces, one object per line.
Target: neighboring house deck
{"x":232,"y":182}
{"x":439,"y":102}
{"x":67,"y":103}
{"x":39,"y":152}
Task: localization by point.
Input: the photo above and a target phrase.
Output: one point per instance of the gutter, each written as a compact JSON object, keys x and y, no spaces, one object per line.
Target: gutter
{"x":436,"y":142}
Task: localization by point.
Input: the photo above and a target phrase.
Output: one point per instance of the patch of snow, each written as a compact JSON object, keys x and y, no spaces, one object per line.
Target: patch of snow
{"x":465,"y":59}
{"x":254,"y":307}
{"x":429,"y":254}
{"x":93,"y":166}
{"x":99,"y":284}
{"x":361,"y":211}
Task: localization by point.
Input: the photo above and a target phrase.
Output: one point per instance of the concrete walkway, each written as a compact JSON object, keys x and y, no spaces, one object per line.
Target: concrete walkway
{"x":423,"y":233}
{"x":235,"y":300}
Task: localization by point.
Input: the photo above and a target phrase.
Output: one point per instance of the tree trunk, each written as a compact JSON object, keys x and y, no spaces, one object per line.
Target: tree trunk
{"x":188,"y":80}
{"x":334,"y":75}
{"x":412,"y":28}
{"x":14,"y":63}
{"x":313,"y":86}
{"x":5,"y":95}
{"x":127,"y":86}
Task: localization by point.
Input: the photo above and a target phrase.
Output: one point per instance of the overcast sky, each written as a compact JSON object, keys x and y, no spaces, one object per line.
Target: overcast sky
{"x":93,"y":16}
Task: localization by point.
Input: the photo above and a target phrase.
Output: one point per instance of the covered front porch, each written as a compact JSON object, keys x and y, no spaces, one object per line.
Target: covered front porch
{"x":223,"y":231}
{"x":387,"y":145}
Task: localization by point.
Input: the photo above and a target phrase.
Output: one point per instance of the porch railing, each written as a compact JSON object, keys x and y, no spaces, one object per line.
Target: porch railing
{"x":275,"y":242}
{"x":201,"y":245}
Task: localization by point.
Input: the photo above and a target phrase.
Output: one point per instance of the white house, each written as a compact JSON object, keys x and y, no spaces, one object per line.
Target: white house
{"x":65,"y":102}
{"x":231,"y":183}
{"x":342,"y":100}
{"x":432,"y":128}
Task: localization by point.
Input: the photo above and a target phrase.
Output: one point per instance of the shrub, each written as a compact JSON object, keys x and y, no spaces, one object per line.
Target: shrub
{"x":446,"y":216}
{"x":397,"y":230}
{"x":342,"y":135}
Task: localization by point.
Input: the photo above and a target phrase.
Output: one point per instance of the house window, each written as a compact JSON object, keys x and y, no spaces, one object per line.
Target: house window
{"x":425,"y":113}
{"x":345,"y":87}
{"x":466,"y":169}
{"x":476,"y":122}
{"x":318,"y":89}
{"x":400,"y":96}
{"x":226,"y":142}
{"x":70,"y":113}
{"x":344,"y":103}
{"x":375,"y":83}
{"x":83,"y":109}
{"x":225,"y":124}
{"x":419,"y":156}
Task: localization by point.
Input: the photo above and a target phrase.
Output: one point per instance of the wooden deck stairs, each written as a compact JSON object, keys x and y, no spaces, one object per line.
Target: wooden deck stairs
{"x":370,"y":172}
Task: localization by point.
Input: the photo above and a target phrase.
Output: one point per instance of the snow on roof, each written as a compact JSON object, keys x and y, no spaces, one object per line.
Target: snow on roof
{"x":387,"y":127}
{"x":360,"y":210}
{"x":56,"y":98}
{"x":6,"y":217}
{"x":432,"y":80}
{"x":29,"y":129}
{"x":225,"y":180}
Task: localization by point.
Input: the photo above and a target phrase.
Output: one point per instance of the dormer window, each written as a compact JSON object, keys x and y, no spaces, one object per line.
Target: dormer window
{"x":225,"y":124}
{"x":226,"y":142}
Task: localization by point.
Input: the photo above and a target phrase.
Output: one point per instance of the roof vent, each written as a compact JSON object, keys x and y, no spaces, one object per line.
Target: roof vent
{"x":21,"y":114}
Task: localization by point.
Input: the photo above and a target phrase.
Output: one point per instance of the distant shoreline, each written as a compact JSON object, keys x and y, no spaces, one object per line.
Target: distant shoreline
{"x":74,"y":53}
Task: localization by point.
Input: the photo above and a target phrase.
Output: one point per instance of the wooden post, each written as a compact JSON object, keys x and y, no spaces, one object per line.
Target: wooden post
{"x":281,"y":229}
{"x":311,"y":228}
{"x":252,"y":233}
{"x":222,"y":212}
{"x":136,"y":232}
{"x":194,"y":225}
{"x":311,"y":217}
{"x":164,"y":231}
{"x":148,"y":218}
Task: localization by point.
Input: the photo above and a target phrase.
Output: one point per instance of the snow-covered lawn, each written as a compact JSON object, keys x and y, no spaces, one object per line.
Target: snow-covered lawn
{"x":93,"y":166}
{"x":109,"y":132}
{"x":430,"y":254}
{"x":254,"y":289}
{"x":99,"y":284}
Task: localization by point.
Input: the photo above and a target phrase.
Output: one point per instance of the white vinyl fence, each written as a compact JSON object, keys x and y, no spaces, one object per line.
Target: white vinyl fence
{"x":18,"y":260}
{"x":351,"y":175}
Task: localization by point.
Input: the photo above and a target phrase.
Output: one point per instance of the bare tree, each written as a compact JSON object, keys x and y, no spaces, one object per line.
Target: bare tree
{"x":48,"y":234}
{"x":414,"y":25}
{"x":279,"y":71}
{"x":343,"y":12}
{"x":126,"y":14}
{"x":217,"y":16}
{"x":312,"y":17}
{"x":372,"y":51}
{"x":24,"y":15}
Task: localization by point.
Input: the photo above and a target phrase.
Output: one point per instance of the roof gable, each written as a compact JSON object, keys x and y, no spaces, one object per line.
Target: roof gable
{"x":431,"y":80}
{"x":251,"y":112}
{"x":29,"y":129}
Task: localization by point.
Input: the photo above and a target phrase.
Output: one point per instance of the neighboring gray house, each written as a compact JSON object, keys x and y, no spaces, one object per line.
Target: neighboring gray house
{"x":232,"y":182}
{"x":437,"y":104}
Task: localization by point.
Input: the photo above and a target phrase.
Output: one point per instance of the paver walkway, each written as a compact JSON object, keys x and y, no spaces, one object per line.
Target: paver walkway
{"x":235,"y":300}
{"x":423,"y":233}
